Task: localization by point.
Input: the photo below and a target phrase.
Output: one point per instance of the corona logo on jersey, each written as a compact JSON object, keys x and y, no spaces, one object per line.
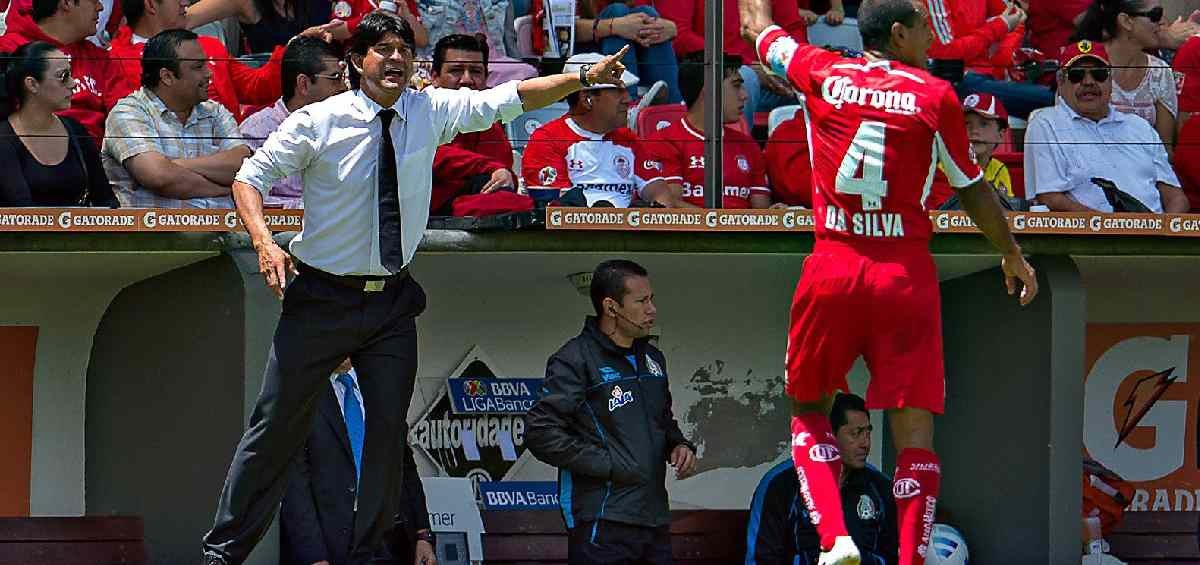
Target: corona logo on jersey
{"x":838,"y":90}
{"x":1140,"y":405}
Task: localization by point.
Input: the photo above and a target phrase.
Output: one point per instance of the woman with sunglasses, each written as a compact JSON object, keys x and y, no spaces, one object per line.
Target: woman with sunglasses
{"x":46,"y":160}
{"x":1143,"y":84}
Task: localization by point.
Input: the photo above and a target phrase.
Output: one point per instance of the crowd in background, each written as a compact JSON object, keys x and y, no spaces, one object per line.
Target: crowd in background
{"x":155,"y":103}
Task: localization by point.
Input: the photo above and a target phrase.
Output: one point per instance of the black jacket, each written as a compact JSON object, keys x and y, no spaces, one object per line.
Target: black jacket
{"x":317,"y":516}
{"x":604,"y":419}
{"x":779,"y":522}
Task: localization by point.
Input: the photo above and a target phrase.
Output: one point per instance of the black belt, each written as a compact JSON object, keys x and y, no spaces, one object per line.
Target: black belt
{"x":364,"y":283}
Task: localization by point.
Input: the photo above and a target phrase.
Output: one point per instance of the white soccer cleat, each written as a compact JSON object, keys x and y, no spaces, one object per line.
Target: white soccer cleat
{"x":843,"y":552}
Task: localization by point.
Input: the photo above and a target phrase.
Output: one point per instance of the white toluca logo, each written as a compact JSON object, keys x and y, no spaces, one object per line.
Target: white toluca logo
{"x":906,"y":488}
{"x":824,"y":453}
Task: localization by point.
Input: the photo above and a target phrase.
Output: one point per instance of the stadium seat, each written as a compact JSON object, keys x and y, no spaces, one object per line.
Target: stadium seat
{"x":644,"y":102}
{"x":654,"y":118}
{"x":524,"y":125}
{"x":780,"y":115}
{"x":843,"y":35}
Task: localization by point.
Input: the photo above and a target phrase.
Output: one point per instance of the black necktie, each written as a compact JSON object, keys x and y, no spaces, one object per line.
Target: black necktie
{"x":391,"y":251}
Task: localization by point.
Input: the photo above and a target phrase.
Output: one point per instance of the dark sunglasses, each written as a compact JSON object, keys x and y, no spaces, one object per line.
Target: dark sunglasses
{"x":1155,"y":15}
{"x":1099,"y":74}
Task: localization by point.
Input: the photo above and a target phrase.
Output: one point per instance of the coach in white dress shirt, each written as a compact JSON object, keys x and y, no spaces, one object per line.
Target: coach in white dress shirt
{"x":366,"y":158}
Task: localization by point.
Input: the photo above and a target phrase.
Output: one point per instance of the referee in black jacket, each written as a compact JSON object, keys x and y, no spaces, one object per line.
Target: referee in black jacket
{"x":604,"y":419}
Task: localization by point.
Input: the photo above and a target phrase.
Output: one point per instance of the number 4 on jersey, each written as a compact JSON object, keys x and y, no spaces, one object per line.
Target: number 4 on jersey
{"x":865,"y":154}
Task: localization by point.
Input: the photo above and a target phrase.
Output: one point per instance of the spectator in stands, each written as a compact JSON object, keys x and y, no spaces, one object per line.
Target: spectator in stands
{"x":267,"y":24}
{"x":1187,"y":150}
{"x":1075,"y":149}
{"x":311,"y":72}
{"x":168,"y":146}
{"x":1051,"y":24}
{"x":1142,"y":84}
{"x":984,"y":35}
{"x":834,"y":11}
{"x":47,"y":160}
{"x":781,"y":531}
{"x":766,"y":91}
{"x":616,"y":24}
{"x":233,"y":83}
{"x":789,"y":166}
{"x":352,"y":11}
{"x":486,"y":17}
{"x":66,"y":24}
{"x":476,"y":162}
{"x":590,"y":150}
{"x":986,"y":122}
{"x":676,"y":152}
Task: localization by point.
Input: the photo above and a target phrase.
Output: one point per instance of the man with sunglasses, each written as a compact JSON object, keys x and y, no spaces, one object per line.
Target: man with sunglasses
{"x":1084,"y":138}
{"x":311,"y":72}
{"x":365,"y":159}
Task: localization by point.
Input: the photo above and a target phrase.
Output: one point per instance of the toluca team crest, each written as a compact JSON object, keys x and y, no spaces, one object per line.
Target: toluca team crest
{"x":743,"y":163}
{"x":623,"y":168}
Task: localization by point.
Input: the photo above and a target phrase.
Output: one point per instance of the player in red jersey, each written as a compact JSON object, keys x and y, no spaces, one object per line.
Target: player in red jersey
{"x":879,"y":124}
{"x":676,"y":152}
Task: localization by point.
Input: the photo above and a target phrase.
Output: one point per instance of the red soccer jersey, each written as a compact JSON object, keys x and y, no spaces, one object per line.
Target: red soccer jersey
{"x":563,"y":155}
{"x":676,"y":153}
{"x":1187,"y":151}
{"x":878,"y":130}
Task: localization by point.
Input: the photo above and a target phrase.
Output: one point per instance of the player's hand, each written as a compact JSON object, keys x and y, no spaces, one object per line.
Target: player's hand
{"x":835,"y":16}
{"x":501,"y":179}
{"x":1017,"y":269}
{"x":683,"y":459}
{"x":1013,"y":16}
{"x":609,"y":69}
{"x":275,"y":264}
{"x":425,"y":554}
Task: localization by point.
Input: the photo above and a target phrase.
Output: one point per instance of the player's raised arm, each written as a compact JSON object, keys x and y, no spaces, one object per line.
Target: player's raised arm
{"x":755,"y":16}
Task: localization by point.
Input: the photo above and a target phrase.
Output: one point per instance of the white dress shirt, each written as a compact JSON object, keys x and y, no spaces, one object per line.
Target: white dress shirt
{"x":334,"y":146}
{"x":1064,"y":150}
{"x":340,"y":392}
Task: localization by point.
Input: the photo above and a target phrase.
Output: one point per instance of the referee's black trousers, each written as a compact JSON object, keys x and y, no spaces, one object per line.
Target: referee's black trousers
{"x":323,"y":322}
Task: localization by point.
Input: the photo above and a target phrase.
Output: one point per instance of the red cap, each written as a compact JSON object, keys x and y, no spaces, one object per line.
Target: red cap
{"x":1076,"y":51}
{"x":985,"y":105}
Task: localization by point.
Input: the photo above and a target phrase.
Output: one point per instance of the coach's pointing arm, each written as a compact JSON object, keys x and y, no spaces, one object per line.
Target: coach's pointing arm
{"x":543,"y":91}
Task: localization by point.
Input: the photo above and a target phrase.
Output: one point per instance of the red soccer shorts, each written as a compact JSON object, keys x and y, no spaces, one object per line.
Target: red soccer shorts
{"x":883,"y":305}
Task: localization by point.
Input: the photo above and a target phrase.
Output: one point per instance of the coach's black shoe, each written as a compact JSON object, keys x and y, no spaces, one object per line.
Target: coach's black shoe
{"x":210,"y":558}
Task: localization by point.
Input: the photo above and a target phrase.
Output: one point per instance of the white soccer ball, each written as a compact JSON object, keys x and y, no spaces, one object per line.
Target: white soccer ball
{"x":946,"y":547}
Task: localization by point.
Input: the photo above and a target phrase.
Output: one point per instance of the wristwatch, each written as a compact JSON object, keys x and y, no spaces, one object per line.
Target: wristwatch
{"x":583,"y":72}
{"x":427,"y":535}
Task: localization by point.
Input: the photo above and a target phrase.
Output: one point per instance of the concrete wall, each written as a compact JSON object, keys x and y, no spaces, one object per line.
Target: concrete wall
{"x":65,"y":294}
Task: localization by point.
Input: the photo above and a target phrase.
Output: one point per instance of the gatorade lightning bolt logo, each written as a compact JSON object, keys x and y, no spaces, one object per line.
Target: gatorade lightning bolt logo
{"x":1142,"y":397}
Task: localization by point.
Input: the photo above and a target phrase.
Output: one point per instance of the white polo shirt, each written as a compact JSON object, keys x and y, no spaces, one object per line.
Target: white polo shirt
{"x":1064,"y":150}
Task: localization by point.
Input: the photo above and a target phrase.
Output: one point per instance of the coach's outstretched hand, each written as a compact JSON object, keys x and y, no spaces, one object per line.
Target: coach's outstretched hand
{"x":609,"y":69}
{"x":1017,"y":269}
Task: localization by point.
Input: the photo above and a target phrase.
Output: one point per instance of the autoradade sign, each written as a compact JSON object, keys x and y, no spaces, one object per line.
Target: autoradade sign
{"x":481,"y":447}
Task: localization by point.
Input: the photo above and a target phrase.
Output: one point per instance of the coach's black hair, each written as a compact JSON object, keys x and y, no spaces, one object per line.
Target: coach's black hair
{"x":43,"y":9}
{"x":875,"y":19}
{"x":845,"y":402}
{"x":608,"y":281}
{"x":371,"y":30}
{"x":474,"y":43}
{"x":162,"y":52}
{"x":303,"y":56}
{"x":692,"y":74}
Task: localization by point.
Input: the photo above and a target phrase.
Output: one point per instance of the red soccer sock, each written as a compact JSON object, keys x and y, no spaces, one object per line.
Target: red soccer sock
{"x":819,"y":464}
{"x":915,"y":486}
